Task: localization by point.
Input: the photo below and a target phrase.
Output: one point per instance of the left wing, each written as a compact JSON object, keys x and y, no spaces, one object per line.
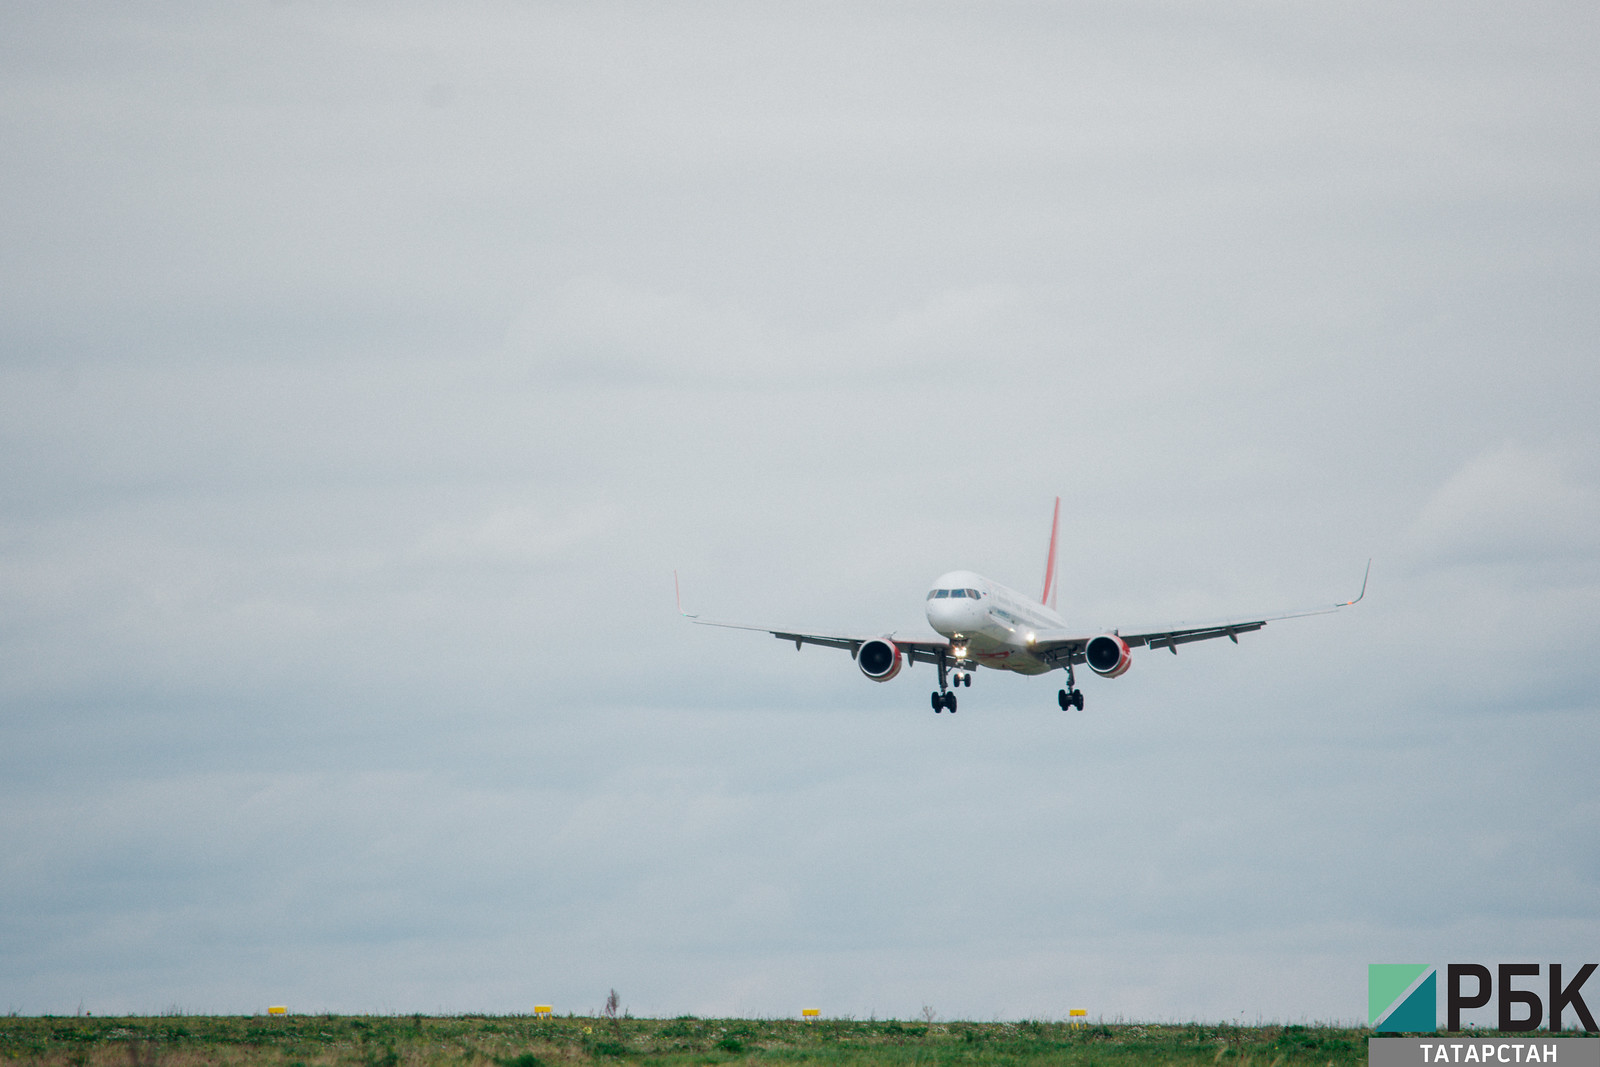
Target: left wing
{"x":1060,"y":648}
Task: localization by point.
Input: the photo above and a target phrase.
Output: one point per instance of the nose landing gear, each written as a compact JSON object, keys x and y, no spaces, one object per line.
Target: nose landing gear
{"x":944,"y":700}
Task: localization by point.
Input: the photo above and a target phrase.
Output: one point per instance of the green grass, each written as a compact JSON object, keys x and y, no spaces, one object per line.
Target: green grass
{"x":523,"y":1041}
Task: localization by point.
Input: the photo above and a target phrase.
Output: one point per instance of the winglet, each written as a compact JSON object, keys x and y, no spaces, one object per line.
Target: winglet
{"x":1364,"y":575}
{"x":1048,"y":599}
{"x":679,"y":594}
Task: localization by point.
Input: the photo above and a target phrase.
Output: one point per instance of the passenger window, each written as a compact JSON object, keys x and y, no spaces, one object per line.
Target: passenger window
{"x":940,"y":594}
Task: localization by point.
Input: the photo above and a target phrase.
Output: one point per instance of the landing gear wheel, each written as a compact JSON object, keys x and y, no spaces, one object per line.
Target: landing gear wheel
{"x":1064,"y":700}
{"x":1077,"y":699}
{"x":938,"y":703}
{"x":950,"y":702}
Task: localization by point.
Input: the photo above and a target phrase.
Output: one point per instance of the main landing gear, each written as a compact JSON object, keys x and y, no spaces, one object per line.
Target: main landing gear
{"x":1070,"y":697}
{"x":943,"y":702}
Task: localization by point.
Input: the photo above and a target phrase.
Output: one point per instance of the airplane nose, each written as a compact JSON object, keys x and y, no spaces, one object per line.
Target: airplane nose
{"x":951,"y":616}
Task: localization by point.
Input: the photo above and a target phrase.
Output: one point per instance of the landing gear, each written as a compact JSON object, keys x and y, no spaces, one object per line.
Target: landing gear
{"x":944,"y":700}
{"x":1070,"y":697}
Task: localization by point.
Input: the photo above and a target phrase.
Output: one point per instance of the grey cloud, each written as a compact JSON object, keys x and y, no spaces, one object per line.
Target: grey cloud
{"x":1510,"y":504}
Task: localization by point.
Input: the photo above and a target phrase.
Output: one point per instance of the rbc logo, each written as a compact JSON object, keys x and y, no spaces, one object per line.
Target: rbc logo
{"x":1404,"y":997}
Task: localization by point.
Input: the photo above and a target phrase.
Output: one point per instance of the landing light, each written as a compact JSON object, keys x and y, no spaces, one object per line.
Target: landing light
{"x":1030,"y":638}
{"x":960,"y":651}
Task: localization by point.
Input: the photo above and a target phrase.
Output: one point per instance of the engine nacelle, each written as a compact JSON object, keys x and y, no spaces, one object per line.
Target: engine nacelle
{"x":879,"y":659}
{"x":1108,"y":656}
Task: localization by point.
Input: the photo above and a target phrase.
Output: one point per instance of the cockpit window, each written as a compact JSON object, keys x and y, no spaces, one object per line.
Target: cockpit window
{"x":940,"y":594}
{"x":959,"y":592}
{"x":973,"y":593}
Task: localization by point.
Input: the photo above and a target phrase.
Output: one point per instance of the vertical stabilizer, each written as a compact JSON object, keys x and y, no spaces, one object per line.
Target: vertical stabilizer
{"x":1049,"y":597}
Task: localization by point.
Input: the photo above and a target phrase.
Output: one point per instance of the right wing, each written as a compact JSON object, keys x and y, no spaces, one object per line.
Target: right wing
{"x":917,"y":648}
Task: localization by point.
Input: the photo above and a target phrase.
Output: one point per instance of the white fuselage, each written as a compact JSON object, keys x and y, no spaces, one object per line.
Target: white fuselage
{"x":995,"y":626}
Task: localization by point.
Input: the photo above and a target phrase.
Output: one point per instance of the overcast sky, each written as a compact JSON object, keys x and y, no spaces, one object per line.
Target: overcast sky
{"x":367,"y":370}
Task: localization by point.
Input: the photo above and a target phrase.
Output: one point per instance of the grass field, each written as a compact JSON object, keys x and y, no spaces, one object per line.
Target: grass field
{"x":523,"y":1041}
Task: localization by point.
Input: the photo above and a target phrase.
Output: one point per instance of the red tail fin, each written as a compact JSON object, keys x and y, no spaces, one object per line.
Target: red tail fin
{"x":1049,"y":597}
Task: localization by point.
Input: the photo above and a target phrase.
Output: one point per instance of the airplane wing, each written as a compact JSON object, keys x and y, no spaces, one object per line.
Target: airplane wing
{"x":916,"y":647}
{"x":1060,"y":648}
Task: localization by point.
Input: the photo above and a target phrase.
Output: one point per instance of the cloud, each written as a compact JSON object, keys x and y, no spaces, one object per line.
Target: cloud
{"x":594,"y":330}
{"x":1511,"y":504}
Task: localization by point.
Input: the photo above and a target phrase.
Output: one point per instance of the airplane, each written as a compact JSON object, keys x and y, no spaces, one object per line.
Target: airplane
{"x":982,"y":623}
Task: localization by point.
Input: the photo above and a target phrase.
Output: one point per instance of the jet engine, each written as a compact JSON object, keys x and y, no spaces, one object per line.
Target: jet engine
{"x":1108,"y":656}
{"x":879,"y":659}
